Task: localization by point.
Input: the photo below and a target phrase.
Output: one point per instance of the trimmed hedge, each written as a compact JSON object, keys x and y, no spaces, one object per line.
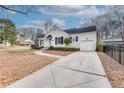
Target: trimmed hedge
{"x":36,"y":47}
{"x":63,"y":48}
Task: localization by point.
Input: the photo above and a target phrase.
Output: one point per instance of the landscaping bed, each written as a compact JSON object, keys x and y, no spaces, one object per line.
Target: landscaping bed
{"x":63,"y":48}
{"x":16,"y":65}
{"x":114,"y":70}
{"x":58,"y":52}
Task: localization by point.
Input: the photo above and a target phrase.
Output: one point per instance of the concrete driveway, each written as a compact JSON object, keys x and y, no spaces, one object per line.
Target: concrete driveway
{"x":80,"y":69}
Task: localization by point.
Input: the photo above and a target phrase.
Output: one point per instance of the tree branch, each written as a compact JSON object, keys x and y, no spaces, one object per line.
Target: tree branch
{"x":4,"y":7}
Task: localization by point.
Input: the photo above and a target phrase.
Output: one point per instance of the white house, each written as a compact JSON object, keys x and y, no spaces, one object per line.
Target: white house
{"x":83,"y":38}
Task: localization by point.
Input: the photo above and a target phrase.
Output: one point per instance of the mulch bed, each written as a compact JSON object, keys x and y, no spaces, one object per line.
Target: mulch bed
{"x":114,"y":70}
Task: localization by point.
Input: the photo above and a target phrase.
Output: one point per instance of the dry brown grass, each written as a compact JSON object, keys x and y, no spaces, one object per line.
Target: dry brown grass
{"x":114,"y":70}
{"x":57,"y":52}
{"x":16,"y":65}
{"x":3,"y":47}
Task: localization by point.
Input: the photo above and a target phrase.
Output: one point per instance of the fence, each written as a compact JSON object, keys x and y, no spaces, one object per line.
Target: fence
{"x":115,"y":51}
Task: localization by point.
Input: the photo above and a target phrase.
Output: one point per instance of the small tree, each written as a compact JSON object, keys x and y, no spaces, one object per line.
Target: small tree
{"x":99,"y":45}
{"x":8,"y":32}
{"x":67,"y":41}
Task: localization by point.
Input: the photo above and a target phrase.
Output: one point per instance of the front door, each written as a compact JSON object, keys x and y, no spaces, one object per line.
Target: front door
{"x":50,"y":42}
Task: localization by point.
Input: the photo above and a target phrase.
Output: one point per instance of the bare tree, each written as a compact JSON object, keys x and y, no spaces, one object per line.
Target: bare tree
{"x":33,"y":33}
{"x":118,"y":20}
{"x":49,"y":25}
{"x":102,"y":26}
{"x":111,"y":21}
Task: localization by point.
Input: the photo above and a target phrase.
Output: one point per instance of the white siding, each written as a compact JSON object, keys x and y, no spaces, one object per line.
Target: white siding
{"x":81,"y":37}
{"x":54,"y":34}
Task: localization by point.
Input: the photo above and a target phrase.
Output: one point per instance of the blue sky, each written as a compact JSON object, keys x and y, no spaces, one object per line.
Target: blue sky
{"x":65,"y":16}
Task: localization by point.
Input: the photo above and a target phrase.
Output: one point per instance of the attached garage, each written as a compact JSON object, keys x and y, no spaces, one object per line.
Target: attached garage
{"x":86,"y":38}
{"x":87,"y":45}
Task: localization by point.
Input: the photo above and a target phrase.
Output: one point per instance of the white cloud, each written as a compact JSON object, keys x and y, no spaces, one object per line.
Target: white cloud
{"x":70,"y":10}
{"x":59,"y":21}
{"x":86,"y":13}
{"x":81,"y":22}
{"x":33,"y":24}
{"x":10,"y":12}
{"x":60,"y":10}
{"x":85,"y":24}
{"x":7,"y":12}
{"x":36,"y":22}
{"x":39,"y":23}
{"x":91,"y":11}
{"x":28,"y":26}
{"x":74,"y":6}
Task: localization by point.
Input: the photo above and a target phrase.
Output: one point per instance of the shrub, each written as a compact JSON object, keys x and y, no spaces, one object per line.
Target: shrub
{"x":64,"y":49}
{"x":39,"y":47}
{"x":99,"y":45}
{"x":51,"y":48}
{"x":36,"y":47}
{"x":33,"y":46}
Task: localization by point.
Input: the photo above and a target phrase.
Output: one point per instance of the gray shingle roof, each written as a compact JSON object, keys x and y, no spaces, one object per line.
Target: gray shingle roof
{"x":81,"y":30}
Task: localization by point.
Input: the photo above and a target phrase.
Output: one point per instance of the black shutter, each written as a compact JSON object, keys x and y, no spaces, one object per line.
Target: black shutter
{"x":55,"y":40}
{"x":71,"y":38}
{"x":76,"y":38}
{"x":61,"y":40}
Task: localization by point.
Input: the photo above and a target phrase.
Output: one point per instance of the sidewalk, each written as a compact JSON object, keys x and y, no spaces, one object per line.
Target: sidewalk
{"x":46,"y":54}
{"x":80,"y":69}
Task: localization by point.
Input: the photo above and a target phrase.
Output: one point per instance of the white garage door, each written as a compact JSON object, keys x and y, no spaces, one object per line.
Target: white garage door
{"x":87,"y":45}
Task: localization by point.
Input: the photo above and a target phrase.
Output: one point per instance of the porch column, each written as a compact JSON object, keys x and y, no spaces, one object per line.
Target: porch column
{"x":39,"y":42}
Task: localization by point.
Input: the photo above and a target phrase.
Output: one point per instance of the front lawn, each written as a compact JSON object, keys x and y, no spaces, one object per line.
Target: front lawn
{"x":16,"y":64}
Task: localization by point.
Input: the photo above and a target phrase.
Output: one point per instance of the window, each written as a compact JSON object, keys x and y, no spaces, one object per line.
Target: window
{"x":76,"y":38}
{"x":59,"y":40}
{"x":55,"y":40}
{"x":41,"y":42}
{"x":37,"y":42}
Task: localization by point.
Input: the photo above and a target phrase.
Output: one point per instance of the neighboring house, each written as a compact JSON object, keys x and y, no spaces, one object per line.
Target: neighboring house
{"x":26,"y":36}
{"x":83,"y":38}
{"x":115,"y":38}
{"x":112,"y":42}
{"x":5,"y":42}
{"x":21,"y":40}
